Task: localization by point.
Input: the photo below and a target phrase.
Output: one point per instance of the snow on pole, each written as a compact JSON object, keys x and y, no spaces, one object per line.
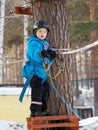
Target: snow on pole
{"x":2,"y":13}
{"x":25,"y":33}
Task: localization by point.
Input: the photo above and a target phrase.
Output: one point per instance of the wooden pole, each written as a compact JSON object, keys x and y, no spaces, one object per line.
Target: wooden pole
{"x":92,"y":10}
{"x":92,"y":19}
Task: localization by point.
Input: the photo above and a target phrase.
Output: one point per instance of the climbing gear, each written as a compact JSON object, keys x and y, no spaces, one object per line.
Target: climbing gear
{"x":60,"y":70}
{"x":40,"y":24}
{"x":63,"y":99}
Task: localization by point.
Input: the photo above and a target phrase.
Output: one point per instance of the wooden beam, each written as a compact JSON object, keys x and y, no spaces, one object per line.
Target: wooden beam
{"x":23,"y":10}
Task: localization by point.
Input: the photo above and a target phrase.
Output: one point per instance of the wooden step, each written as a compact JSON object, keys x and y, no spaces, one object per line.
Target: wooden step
{"x":61,"y":121}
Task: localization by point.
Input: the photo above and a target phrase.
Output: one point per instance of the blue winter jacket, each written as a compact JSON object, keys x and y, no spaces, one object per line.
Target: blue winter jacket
{"x":34,"y":65}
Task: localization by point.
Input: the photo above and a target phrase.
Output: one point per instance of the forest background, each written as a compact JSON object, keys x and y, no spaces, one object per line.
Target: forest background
{"x":79,"y":19}
{"x":82,"y":27}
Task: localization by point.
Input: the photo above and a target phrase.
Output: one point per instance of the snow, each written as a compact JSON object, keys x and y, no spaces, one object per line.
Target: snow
{"x":89,"y":124}
{"x":12,"y":91}
{"x":6,"y":125}
{"x":85,"y":124}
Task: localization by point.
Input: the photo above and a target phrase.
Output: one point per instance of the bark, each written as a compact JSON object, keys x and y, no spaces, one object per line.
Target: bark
{"x":55,"y":13}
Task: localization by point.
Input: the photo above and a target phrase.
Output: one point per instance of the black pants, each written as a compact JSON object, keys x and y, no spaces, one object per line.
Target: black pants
{"x":39,"y":94}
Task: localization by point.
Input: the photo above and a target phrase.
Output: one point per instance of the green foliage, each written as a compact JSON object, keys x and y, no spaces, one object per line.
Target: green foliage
{"x":79,"y":24}
{"x":81,"y":30}
{"x":78,"y":10}
{"x":84,"y":28}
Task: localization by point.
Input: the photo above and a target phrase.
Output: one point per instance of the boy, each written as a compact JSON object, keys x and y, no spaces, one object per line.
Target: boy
{"x":38,"y":53}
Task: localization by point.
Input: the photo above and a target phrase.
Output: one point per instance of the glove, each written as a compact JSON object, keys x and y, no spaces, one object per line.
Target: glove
{"x":44,"y":54}
{"x":51,"y":53}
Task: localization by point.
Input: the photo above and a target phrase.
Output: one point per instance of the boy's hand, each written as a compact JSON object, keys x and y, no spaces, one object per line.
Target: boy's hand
{"x":44,"y":53}
{"x":48,"y":54}
{"x":52,"y":53}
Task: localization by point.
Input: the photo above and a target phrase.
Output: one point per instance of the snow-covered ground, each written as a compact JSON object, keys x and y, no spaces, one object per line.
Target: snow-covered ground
{"x":89,"y":124}
{"x":86,"y":124}
{"x":6,"y":125}
{"x":12,"y":90}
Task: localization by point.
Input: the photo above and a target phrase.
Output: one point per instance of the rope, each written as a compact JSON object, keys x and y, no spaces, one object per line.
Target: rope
{"x":81,"y":49}
{"x":67,"y":51}
{"x":62,"y":98}
{"x":13,"y":62}
{"x":58,"y":73}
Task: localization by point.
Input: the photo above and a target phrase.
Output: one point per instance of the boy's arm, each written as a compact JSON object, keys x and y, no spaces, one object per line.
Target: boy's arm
{"x":33,"y":52}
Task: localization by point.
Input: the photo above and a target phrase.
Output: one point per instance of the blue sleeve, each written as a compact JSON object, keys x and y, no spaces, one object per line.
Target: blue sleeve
{"x":33,"y":52}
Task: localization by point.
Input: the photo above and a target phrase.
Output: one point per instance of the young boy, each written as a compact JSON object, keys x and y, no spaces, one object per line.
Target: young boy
{"x":38,"y":53}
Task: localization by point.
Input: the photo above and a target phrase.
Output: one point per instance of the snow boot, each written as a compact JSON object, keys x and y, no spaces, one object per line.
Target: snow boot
{"x":37,"y":114}
{"x":50,"y":114}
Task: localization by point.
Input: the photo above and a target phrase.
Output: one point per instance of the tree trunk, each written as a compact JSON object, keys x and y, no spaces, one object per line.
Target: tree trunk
{"x":55,"y":13}
{"x":92,"y":10}
{"x":93,"y":38}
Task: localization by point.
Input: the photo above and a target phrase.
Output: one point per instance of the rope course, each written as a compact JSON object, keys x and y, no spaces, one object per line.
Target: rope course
{"x":80,"y":49}
{"x":63,"y":51}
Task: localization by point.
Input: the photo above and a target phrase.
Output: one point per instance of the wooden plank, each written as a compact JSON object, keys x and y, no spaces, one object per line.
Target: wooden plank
{"x":23,"y":10}
{"x":55,"y":125}
{"x":74,"y":118}
{"x":36,"y":123}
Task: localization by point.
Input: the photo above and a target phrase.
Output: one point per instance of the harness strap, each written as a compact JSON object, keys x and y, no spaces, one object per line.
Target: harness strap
{"x":24,"y":89}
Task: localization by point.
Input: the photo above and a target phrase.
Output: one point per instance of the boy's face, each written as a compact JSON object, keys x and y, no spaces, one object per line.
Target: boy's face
{"x":41,"y":33}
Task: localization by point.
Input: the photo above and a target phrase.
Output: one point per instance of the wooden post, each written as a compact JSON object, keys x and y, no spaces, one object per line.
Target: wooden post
{"x":39,"y":3}
{"x":92,"y":10}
